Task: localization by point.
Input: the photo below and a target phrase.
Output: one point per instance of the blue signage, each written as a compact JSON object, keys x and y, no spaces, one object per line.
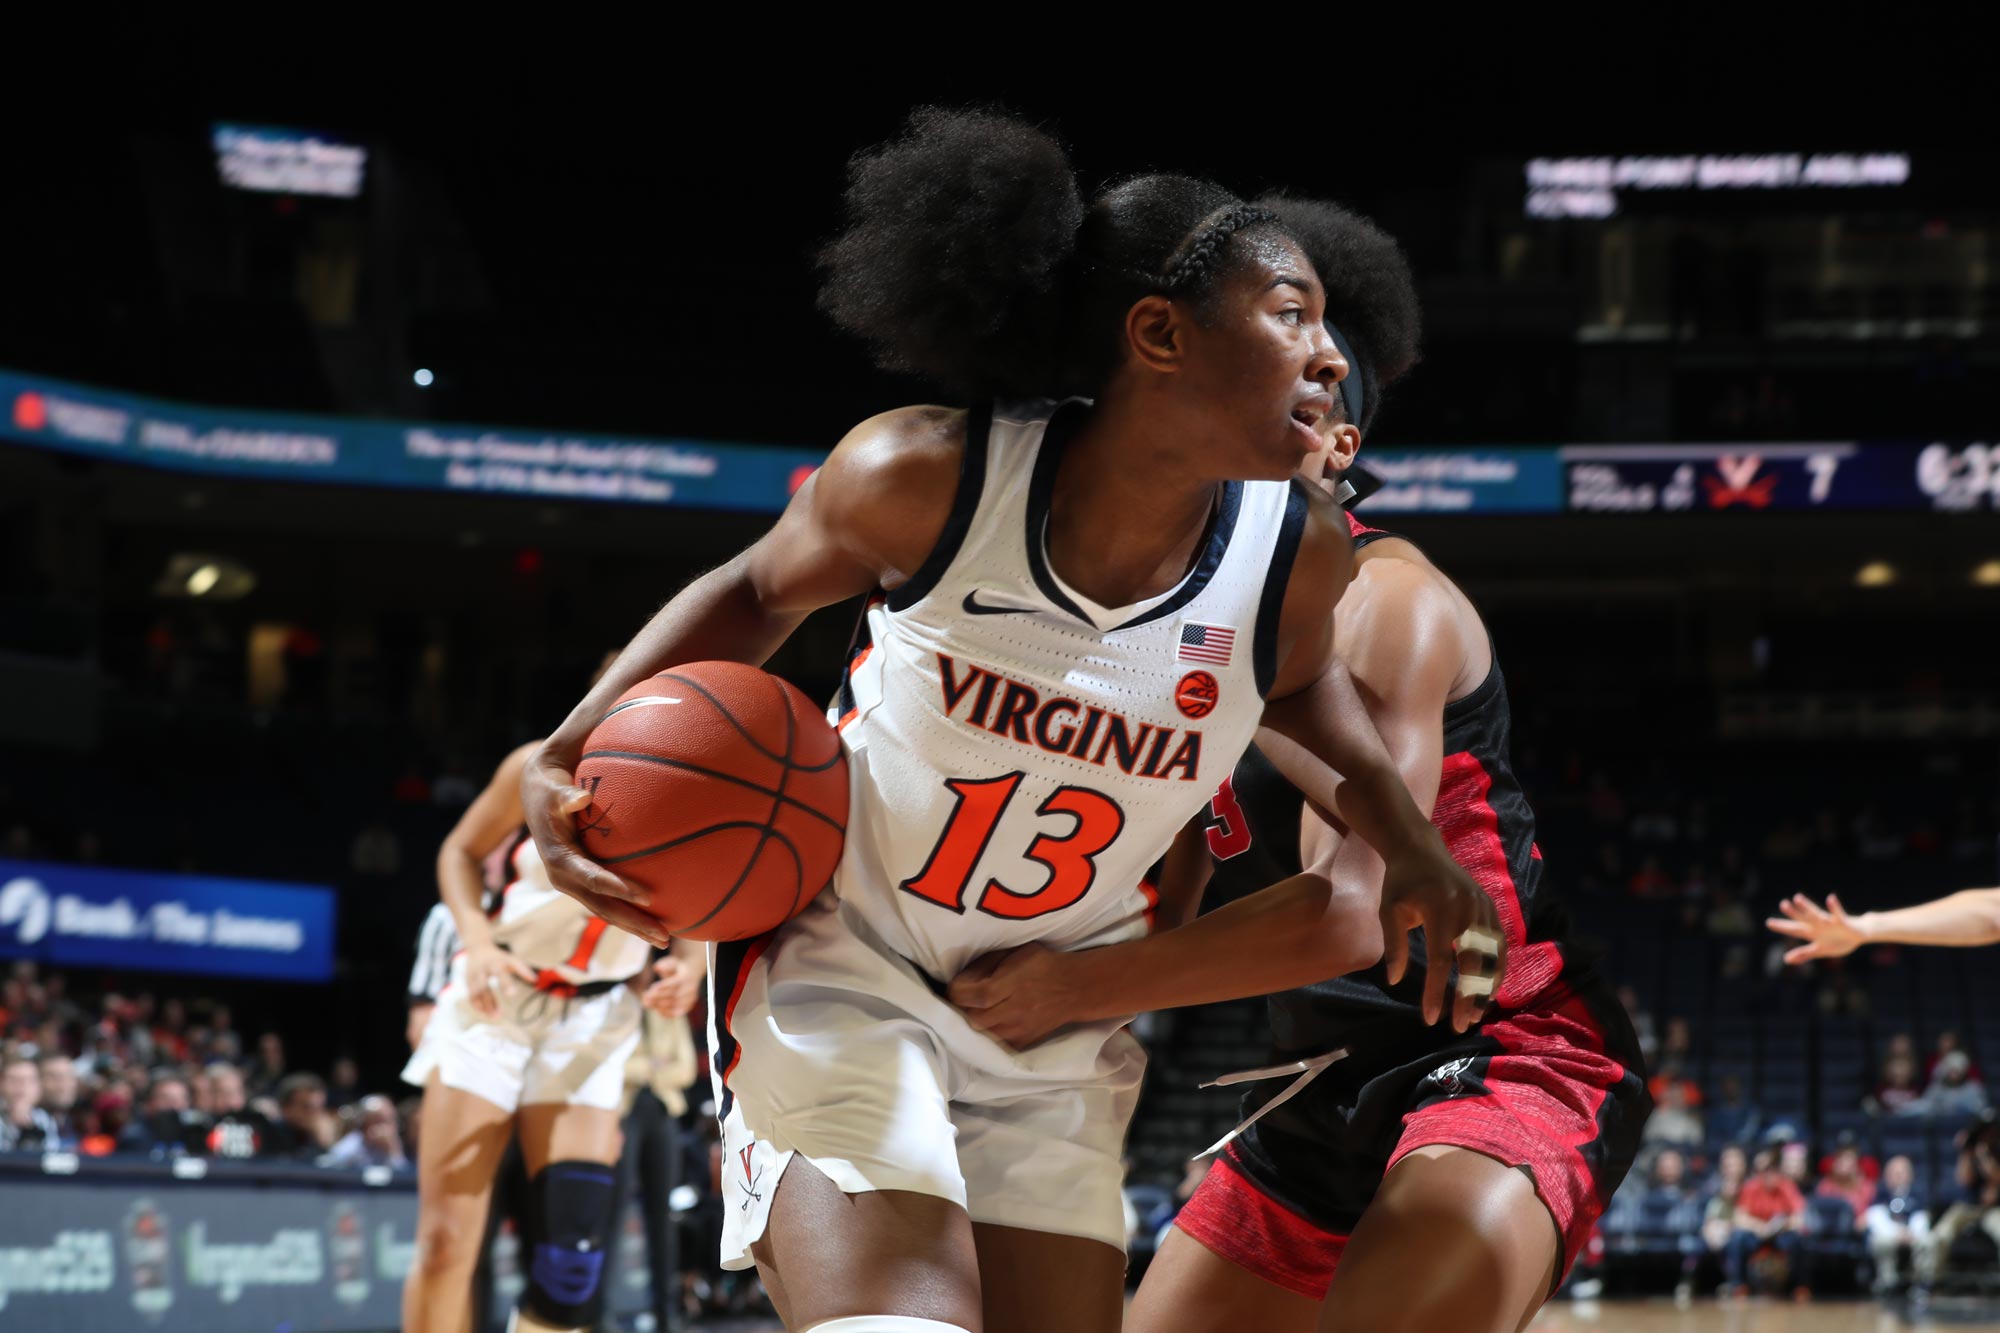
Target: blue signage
{"x":1945,"y":477}
{"x":1464,"y":481}
{"x":564,"y":465}
{"x":89,"y":916}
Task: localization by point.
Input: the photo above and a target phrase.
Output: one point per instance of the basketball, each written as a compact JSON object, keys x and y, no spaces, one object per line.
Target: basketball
{"x":722,"y":790}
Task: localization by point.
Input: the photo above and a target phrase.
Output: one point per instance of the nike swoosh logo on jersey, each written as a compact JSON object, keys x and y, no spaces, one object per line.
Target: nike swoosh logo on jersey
{"x":975,"y":607}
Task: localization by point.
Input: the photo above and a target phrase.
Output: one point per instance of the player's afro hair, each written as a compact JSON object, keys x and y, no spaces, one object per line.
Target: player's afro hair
{"x":969,"y":256}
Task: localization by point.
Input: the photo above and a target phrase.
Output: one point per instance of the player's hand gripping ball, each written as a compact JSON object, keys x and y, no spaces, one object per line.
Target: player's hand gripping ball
{"x":722,"y":790}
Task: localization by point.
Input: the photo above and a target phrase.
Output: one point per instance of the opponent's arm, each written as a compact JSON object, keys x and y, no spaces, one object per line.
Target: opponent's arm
{"x":1184,"y":876}
{"x":486,"y":824}
{"x":1965,"y":919}
{"x":1337,"y":758}
{"x":866,"y":519}
{"x":1319,"y":924}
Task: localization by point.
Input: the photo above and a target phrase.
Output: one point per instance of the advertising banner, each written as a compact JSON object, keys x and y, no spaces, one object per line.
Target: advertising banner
{"x":89,"y":916}
{"x":1465,"y":481}
{"x":1756,"y":478}
{"x":565,"y":465}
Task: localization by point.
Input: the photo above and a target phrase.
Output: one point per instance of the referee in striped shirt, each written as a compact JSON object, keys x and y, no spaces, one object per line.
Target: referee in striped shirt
{"x":436,"y":943}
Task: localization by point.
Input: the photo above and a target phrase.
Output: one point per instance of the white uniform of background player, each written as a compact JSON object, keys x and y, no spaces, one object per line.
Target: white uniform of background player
{"x":1020,"y":756}
{"x":568,"y":1039}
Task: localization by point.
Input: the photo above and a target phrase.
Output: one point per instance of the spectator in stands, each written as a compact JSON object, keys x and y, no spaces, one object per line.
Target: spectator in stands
{"x":268,"y":1070}
{"x":24,"y":1125}
{"x":1796,"y":1164}
{"x":1642,"y":1023}
{"x":110,"y":1112}
{"x":170,"y":1033}
{"x":1730,"y":1116}
{"x":374,"y":1141}
{"x":1769,"y":1211}
{"x":1897,"y":1223}
{"x":1670,"y":1178}
{"x":1673,"y":1121}
{"x":1718,"y":1222}
{"x":1677,"y":1045}
{"x":1898,"y":1093}
{"x":301,"y":1129}
{"x":59,"y":1093}
{"x":1978,"y":1205}
{"x":1948,"y":1044}
{"x":1845,"y":1180}
{"x":1672,"y":1074}
{"x":1953,"y":1091}
{"x":233,"y":1129}
{"x":162,"y":1126}
{"x":343,"y":1085}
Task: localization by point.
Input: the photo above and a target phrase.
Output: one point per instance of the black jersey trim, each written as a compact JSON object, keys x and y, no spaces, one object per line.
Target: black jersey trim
{"x":1362,"y":538}
{"x":1221,"y":527}
{"x":1277,"y":578}
{"x":965,"y":503}
{"x":1482,"y":694}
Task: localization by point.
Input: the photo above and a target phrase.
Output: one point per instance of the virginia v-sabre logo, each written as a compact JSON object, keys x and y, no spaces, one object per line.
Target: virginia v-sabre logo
{"x":24,"y":906}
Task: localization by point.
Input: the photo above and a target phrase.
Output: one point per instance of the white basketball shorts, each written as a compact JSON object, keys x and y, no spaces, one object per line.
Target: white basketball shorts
{"x":827,"y":1044}
{"x":541,"y":1047}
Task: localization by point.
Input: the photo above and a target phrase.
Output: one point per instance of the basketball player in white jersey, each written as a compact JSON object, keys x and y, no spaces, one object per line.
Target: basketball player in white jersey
{"x":530,"y":1035}
{"x":1065,"y":655}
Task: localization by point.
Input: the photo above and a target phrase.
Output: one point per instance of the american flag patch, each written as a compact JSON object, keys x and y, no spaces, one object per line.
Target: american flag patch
{"x":1205,"y":643}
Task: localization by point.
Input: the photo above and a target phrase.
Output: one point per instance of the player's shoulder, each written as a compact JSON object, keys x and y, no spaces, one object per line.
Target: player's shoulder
{"x":890,"y":485}
{"x":910,"y":451}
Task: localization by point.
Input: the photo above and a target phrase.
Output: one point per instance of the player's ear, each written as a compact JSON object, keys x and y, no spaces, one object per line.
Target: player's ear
{"x":1341,"y":445}
{"x":1155,"y":333}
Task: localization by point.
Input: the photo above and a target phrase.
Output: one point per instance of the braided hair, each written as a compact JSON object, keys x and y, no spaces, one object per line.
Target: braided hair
{"x":969,"y":257}
{"x":1370,"y":293}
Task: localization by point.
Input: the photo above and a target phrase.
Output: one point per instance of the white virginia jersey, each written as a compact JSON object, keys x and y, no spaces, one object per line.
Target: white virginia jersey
{"x":549,"y":930}
{"x":1020,"y":755}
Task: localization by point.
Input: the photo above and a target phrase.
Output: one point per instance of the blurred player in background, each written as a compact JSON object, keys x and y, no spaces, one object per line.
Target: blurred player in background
{"x":530,"y":1035}
{"x":1966,"y":919}
{"x":437,"y":944}
{"x":1409,"y":1176}
{"x":1132,"y":566}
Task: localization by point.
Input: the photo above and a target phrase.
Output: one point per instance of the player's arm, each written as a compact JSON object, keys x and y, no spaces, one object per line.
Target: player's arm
{"x":676,"y":979}
{"x":486,"y":824}
{"x":1184,"y":876}
{"x":867,"y":518}
{"x":1965,"y":919}
{"x":1320,"y":924}
{"x":1338,"y":759}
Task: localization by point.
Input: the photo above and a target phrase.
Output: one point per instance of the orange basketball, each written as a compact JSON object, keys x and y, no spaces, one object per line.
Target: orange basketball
{"x":720,"y":788}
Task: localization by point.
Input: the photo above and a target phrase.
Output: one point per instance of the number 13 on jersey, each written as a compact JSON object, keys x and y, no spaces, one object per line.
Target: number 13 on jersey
{"x":1069,"y":856}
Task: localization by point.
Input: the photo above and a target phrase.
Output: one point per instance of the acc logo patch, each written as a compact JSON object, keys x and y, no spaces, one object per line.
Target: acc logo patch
{"x":1197,"y":694}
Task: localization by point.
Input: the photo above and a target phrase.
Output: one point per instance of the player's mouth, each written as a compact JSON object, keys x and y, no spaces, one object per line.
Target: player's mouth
{"x":1308,"y":413}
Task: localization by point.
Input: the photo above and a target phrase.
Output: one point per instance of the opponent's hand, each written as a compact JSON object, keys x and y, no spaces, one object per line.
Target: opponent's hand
{"x":488,"y":971}
{"x":1017,"y":996}
{"x":673,"y":989}
{"x":1425,"y":887}
{"x":1828,"y":932}
{"x":550,"y":802}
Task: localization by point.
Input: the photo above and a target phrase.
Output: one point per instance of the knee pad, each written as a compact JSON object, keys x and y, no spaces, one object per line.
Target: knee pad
{"x":569,"y":1217}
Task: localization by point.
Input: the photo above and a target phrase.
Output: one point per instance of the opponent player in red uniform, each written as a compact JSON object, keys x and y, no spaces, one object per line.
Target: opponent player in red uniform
{"x":1419,"y":1178}
{"x":1088,"y":607}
